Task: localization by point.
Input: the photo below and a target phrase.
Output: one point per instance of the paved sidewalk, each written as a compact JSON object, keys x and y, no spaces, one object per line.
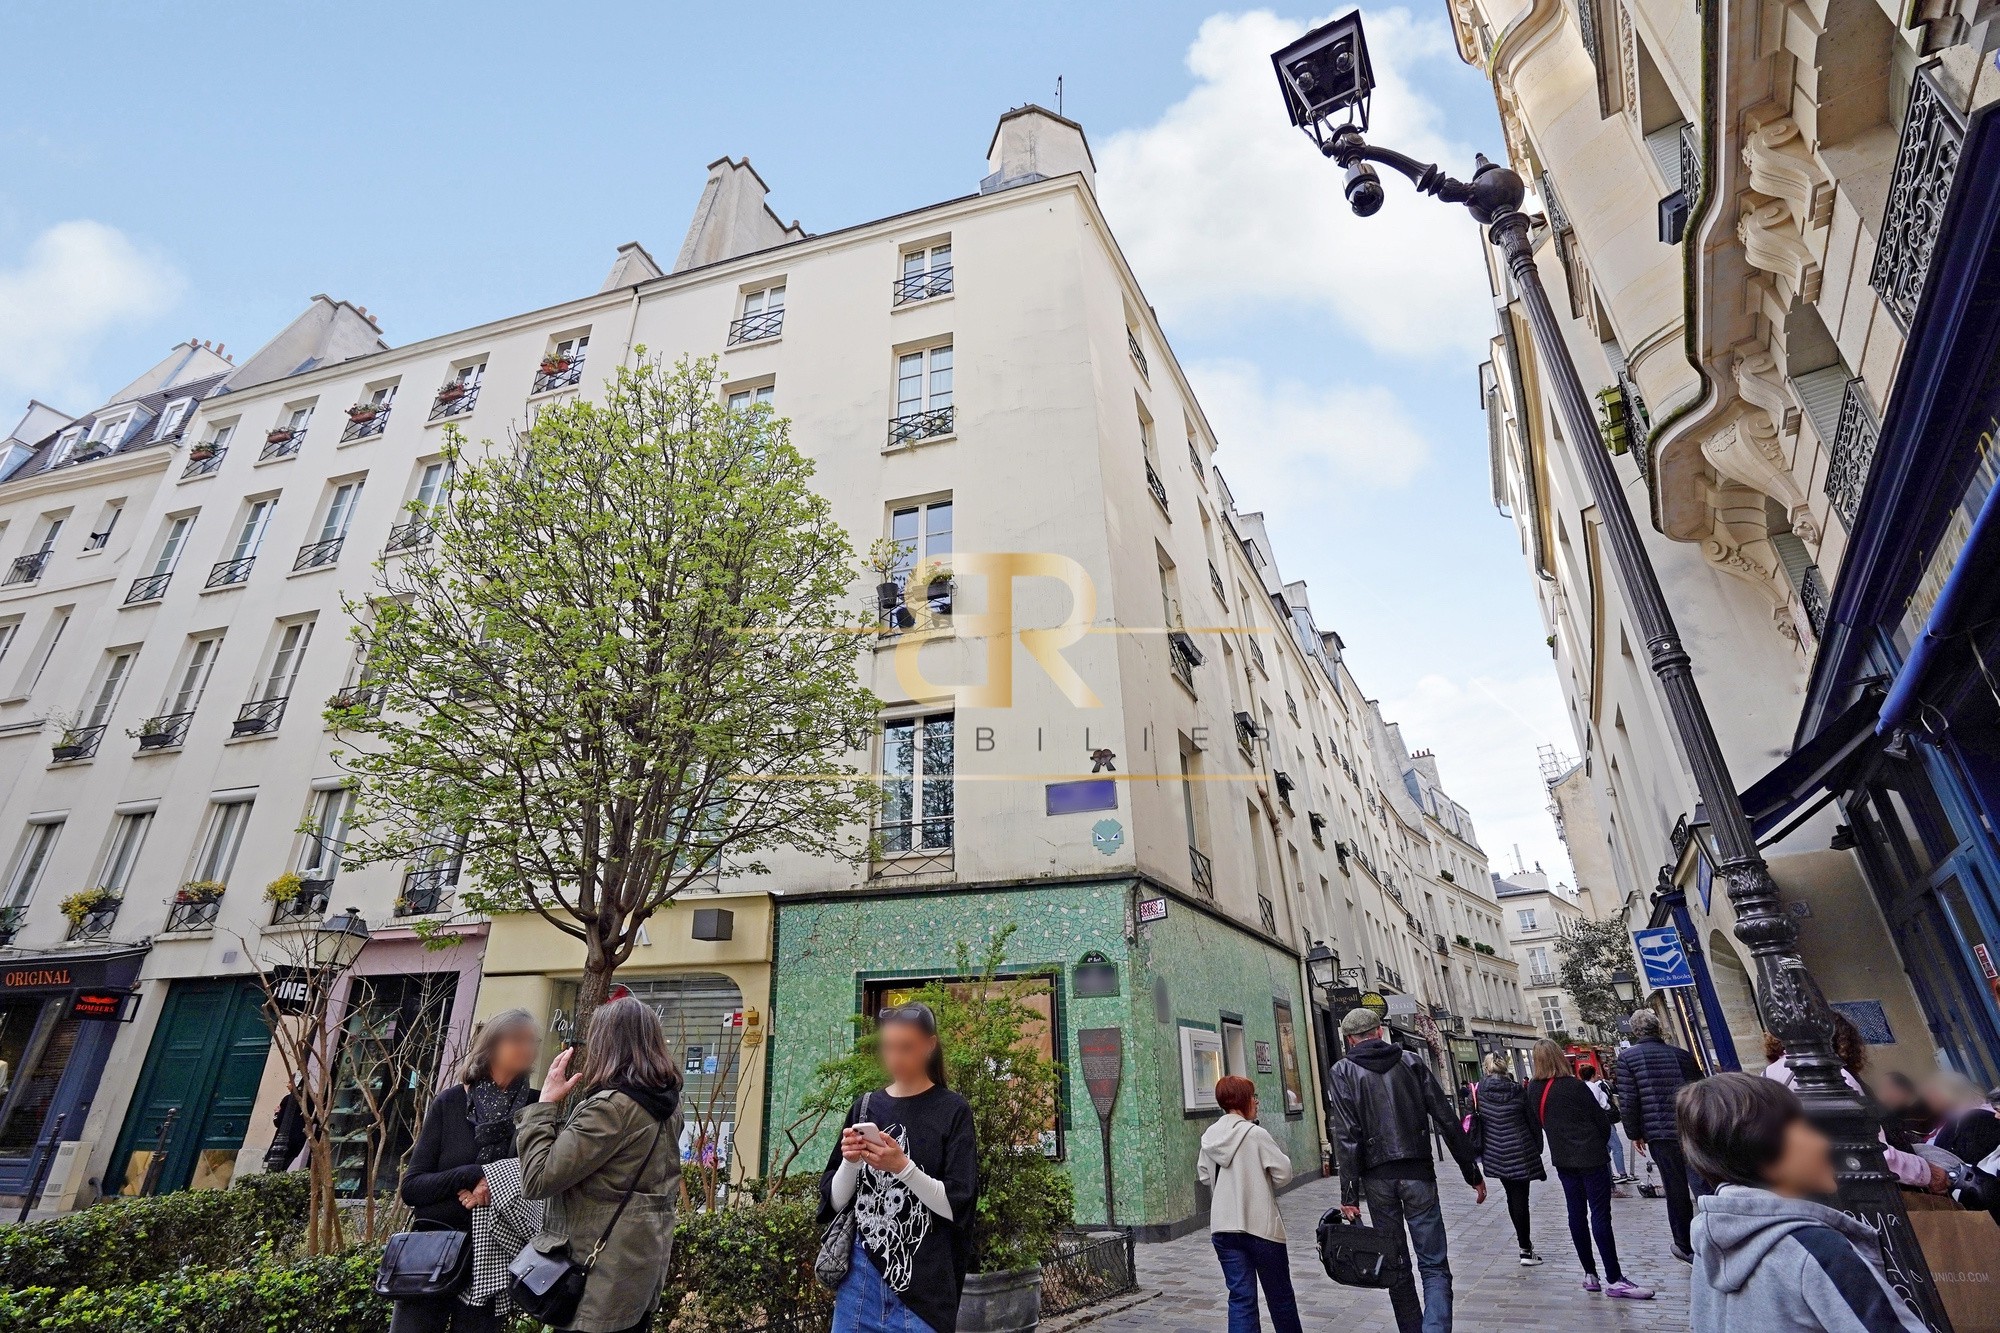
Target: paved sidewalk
{"x":1491,"y":1290}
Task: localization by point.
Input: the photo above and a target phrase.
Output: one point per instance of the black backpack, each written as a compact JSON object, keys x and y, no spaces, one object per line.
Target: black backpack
{"x":1357,"y":1255}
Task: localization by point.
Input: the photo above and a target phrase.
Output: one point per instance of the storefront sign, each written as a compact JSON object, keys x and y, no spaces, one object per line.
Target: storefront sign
{"x":1375,"y":1002}
{"x":113,"y":972}
{"x":1663,"y":957}
{"x":1403,"y":1006}
{"x":291,"y":989}
{"x":104,"y":1006}
{"x":1264,"y":1063}
{"x":1095,"y":976}
{"x":1151,"y":910}
{"x":1075,"y":798}
{"x":1343,"y":998}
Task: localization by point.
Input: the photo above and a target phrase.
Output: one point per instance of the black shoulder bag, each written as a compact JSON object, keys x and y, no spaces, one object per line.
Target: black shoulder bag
{"x":423,"y":1265}
{"x":549,"y":1287}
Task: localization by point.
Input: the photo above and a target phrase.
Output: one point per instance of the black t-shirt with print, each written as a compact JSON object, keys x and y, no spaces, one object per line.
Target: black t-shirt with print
{"x":921,"y":1256}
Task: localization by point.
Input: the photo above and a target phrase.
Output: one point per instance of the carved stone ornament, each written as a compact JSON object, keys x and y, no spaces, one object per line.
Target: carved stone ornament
{"x":1739,"y":544}
{"x":1746,"y":448}
{"x":1773,"y":242}
{"x":1780,"y":165}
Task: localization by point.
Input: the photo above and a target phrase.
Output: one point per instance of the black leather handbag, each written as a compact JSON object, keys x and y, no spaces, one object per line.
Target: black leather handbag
{"x":419,"y":1265}
{"x":1357,"y":1255}
{"x":549,"y":1287}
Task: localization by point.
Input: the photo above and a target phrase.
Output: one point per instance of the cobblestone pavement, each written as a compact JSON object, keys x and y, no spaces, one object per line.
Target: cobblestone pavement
{"x":1490,"y":1288}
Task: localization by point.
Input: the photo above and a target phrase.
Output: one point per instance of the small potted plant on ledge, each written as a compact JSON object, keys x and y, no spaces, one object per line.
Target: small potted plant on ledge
{"x":363,"y":412}
{"x":934,"y":577}
{"x":452,"y":391}
{"x":155,"y":733}
{"x":884,"y":556}
{"x":279,"y":435}
{"x":82,"y":909}
{"x":294,"y":895}
{"x":198,"y":891}
{"x":73,"y":740}
{"x":554,"y":364}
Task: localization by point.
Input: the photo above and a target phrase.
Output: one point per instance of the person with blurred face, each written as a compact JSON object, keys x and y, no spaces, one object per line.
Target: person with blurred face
{"x":907,"y":1164}
{"x":1244,"y":1168}
{"x":1767,"y":1257}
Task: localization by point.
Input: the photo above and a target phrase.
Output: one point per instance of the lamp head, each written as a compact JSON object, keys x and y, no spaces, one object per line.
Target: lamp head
{"x":1322,"y":965}
{"x":1325,"y":77}
{"x":339,"y":940}
{"x":1625,"y":986}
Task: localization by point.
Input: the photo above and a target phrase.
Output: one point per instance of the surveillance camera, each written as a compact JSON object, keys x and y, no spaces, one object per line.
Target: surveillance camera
{"x":1364,"y":190}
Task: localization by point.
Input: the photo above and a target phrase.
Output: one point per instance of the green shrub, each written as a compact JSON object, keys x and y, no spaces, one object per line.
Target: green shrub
{"x":324,"y":1295}
{"x":123,"y":1241}
{"x":738,"y":1266}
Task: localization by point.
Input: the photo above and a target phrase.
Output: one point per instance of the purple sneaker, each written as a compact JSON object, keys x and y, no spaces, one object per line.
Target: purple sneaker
{"x":1590,"y":1282}
{"x":1628,"y":1291}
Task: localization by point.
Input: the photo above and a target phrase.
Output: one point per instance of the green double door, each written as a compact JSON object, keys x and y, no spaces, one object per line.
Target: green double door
{"x":206,"y":1061}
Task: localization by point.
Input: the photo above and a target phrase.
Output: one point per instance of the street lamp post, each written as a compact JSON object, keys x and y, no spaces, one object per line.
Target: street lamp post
{"x":1326,"y":80}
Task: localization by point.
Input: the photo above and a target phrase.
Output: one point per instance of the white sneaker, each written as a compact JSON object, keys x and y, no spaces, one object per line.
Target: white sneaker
{"x":1529,"y":1259}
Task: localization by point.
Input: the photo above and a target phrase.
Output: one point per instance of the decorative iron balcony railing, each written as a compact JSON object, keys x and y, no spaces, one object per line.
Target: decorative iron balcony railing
{"x":1919,"y":187}
{"x":281,"y":444}
{"x":914,"y":426}
{"x":1813,"y":598}
{"x":192,"y":913}
{"x":921,"y":286}
{"x":1155,"y":485}
{"x":454,"y":400}
{"x":228,"y":572}
{"x":1138,"y":353}
{"x":201,"y":465}
{"x":408,"y":536}
{"x":1855,"y":435}
{"x":756,"y":328}
{"x":1203,"y":871}
{"x":26,"y":568}
{"x":318,"y":555}
{"x":96,"y":923}
{"x":424,"y":889}
{"x":308,"y":904}
{"x":258,"y":716}
{"x":367,"y":698}
{"x":77,"y":743}
{"x":557,"y":372}
{"x":164,"y":731}
{"x":364,"y":420}
{"x":148,"y":588}
{"x":1215,"y":582}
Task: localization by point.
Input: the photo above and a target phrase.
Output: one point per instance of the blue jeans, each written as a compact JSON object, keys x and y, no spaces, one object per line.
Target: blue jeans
{"x":1617,"y":1152}
{"x":1588,"y":1194}
{"x":1392,"y":1205}
{"x":1246,"y":1261}
{"x":867,"y":1304}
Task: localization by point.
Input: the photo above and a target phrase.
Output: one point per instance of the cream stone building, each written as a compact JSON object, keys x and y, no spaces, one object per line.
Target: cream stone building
{"x":1770,"y":230}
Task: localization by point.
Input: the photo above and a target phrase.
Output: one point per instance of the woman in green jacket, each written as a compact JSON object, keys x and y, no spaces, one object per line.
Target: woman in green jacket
{"x":625,"y":1128}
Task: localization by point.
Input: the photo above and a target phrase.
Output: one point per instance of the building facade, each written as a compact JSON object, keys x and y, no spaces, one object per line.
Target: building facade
{"x":1771,"y":234}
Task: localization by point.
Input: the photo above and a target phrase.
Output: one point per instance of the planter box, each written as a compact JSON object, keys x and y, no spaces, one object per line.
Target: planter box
{"x":1001,"y":1302}
{"x":65,"y":753}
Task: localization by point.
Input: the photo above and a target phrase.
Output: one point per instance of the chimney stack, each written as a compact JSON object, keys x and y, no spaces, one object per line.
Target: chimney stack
{"x":1032,"y":143}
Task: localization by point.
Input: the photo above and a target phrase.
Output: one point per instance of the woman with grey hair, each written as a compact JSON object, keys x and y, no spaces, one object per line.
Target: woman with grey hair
{"x":465,"y":1174}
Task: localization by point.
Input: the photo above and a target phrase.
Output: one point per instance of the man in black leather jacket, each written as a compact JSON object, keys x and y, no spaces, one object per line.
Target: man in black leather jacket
{"x":1384,"y":1102}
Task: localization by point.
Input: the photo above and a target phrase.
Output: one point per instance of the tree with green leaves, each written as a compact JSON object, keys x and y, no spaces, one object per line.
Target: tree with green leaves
{"x":620,"y":668}
{"x":1588,"y":955}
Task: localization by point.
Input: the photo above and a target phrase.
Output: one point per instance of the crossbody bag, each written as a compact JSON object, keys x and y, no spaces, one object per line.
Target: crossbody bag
{"x":549,"y":1287}
{"x":836,"y":1243}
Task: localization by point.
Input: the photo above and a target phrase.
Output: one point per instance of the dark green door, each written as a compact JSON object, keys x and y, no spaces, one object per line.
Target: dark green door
{"x":207,"y":1057}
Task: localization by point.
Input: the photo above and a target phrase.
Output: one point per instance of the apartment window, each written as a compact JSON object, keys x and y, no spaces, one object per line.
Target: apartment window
{"x":225,"y":835}
{"x":65,"y":446}
{"x":266,"y":707}
{"x":173,"y":419}
{"x":105,"y":697}
{"x":31,"y":861}
{"x":108,"y":433}
{"x":1552,"y":1013}
{"x":922,"y":534}
{"x":27,"y":568}
{"x":187,"y":691}
{"x":415,"y":530}
{"x":370,"y":415}
{"x":1538,"y":961}
{"x":563,"y":364}
{"x":283,"y":440}
{"x":926,"y":273}
{"x":128,"y":837}
{"x":152,"y":585}
{"x":58,"y":624}
{"x":326,"y":833}
{"x":205,"y":457}
{"x":917,"y":784}
{"x":324,"y":550}
{"x":1526,"y":916}
{"x":101,"y":537}
{"x":459,"y":392}
{"x":249,"y":540}
{"x":1138,"y":352}
{"x":763,"y":315}
{"x":7,"y":633}
{"x":923,"y":395}
{"x":742,"y":400}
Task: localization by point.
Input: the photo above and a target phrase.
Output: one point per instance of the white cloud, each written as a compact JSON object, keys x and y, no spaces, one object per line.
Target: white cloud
{"x":1224,"y":207}
{"x":75,"y":283}
{"x":1484,"y":733}
{"x":1289,"y":446}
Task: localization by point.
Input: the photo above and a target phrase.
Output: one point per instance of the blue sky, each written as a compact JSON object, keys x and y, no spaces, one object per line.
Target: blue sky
{"x":167,"y":173}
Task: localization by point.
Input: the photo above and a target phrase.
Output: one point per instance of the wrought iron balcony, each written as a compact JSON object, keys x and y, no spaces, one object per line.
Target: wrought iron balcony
{"x":1246,"y":732}
{"x":97,"y":922}
{"x":932,"y":610}
{"x":282,"y":443}
{"x":1543,"y":979}
{"x":318,"y":555}
{"x":148,"y":588}
{"x":1183,"y":655}
{"x":1690,"y":164}
{"x":1855,"y":435}
{"x":911,"y":864}
{"x":408,"y":536}
{"x":365,"y":419}
{"x":921,"y":286}
{"x":1813,"y":599}
{"x":914,"y":426}
{"x":1439,"y":943}
{"x":1194,"y":458}
{"x":1203,"y":871}
{"x":455,"y":399}
{"x":229,"y":572}
{"x":557,"y":372}
{"x":1256,"y":653}
{"x":1138,"y":355}
{"x":164,"y":731}
{"x":756,"y":328}
{"x":192,"y":912}
{"x":202,"y":464}
{"x":425,"y":889}
{"x":1155,"y":485}
{"x":259,"y":716}
{"x":1919,"y":187}
{"x":308,"y":904}
{"x":26,"y":568}
{"x":77,"y":743}
{"x":367,"y":698}
{"x":1215,"y":582}
{"x":1267,"y":915}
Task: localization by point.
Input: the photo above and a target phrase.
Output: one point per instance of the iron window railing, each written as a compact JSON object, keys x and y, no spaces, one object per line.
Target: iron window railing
{"x":203,"y":466}
{"x":77,"y":743}
{"x":1202,"y":871}
{"x":318,"y":555}
{"x":164,"y":731}
{"x":308,"y":904}
{"x":1267,"y":915}
{"x":915,"y":426}
{"x":424,"y":889}
{"x":1183,"y":655}
{"x":258,"y":716}
{"x":454,"y":399}
{"x":932,"y":609}
{"x":1256,"y":653}
{"x":192,"y":913}
{"x":1813,"y":599}
{"x":1855,"y":436}
{"x":280,"y":444}
{"x":907,"y":865}
{"x":1155,"y":485}
{"x":1246,"y":732}
{"x":756,"y":328}
{"x":373,"y":417}
{"x":26,"y":568}
{"x":367,"y":698}
{"x":1543,"y":979}
{"x":1690,"y":165}
{"x":921,"y":286}
{"x":1215,"y":582}
{"x":557,"y":372}
{"x":1919,"y":187}
{"x":96,"y":923}
{"x":1138,"y":353}
{"x":228,"y":572}
{"x":408,"y":536}
{"x":148,"y":588}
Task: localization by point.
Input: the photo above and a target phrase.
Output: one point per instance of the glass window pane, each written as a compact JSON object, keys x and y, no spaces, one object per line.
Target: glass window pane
{"x":940,"y":257}
{"x":909,"y":384}
{"x":775,"y":299}
{"x":937,"y":530}
{"x":913,"y":262}
{"x":940,"y":377}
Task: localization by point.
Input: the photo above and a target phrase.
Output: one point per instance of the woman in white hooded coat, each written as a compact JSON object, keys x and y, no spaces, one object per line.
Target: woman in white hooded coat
{"x":1243,"y":1166}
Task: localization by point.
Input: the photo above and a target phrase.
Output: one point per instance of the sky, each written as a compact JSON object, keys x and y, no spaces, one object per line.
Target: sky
{"x":168,"y":172}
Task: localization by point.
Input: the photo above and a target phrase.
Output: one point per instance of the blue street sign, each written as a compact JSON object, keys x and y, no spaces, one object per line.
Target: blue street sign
{"x":1663,"y":958}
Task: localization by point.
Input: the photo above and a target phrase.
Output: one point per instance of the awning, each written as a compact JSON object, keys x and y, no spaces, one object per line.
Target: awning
{"x":1968,"y":599}
{"x":1814,"y":766}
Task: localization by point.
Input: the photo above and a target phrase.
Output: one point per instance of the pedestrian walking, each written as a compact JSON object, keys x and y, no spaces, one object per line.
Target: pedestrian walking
{"x":1243,"y":1166}
{"x":1650,"y":1075}
{"x":1967,"y":1125}
{"x":1766,"y":1255}
{"x":611,"y":1167}
{"x":1384,"y":1102}
{"x":907,"y":1164}
{"x":1910,"y":1170}
{"x":1579,"y":1134}
{"x":1599,"y":1090}
{"x":465,"y":1174}
{"x":1510,"y":1145}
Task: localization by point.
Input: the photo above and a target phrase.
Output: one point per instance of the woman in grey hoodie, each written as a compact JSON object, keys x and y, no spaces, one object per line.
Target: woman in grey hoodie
{"x":1766,"y":1257}
{"x":1243,"y":1166}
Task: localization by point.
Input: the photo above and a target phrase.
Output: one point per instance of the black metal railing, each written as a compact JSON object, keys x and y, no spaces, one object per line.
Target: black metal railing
{"x":1138,"y":353}
{"x":1855,"y":435}
{"x":77,"y":743}
{"x":280,"y":444}
{"x":96,"y":923}
{"x":454,"y":399}
{"x":921,"y":286}
{"x":1194,"y":458}
{"x":1813,"y":599}
{"x":318,"y":555}
{"x":1202,"y":870}
{"x":1267,"y":915}
{"x":370,"y":422}
{"x":1690,"y":165}
{"x":756,"y":328}
{"x":203,"y":465}
{"x":308,"y":904}
{"x":1246,"y":732}
{"x":1215,"y":582}
{"x":557,"y":373}
{"x":1440,"y":943}
{"x":164,"y":731}
{"x":932,"y":609}
{"x":909,"y":864}
{"x":1256,"y":653}
{"x":148,"y":588}
{"x":192,"y":913}
{"x":408,"y":536}
{"x":258,"y":716}
{"x":367,"y":698}
{"x":424,"y":889}
{"x":913,"y":426}
{"x":1155,"y":485}
{"x":228,"y":572}
{"x":26,"y":568}
{"x":1183,"y":657}
{"x":1920,"y":185}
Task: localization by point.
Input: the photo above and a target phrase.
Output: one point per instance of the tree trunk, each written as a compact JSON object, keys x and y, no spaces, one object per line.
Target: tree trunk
{"x":590,"y":993}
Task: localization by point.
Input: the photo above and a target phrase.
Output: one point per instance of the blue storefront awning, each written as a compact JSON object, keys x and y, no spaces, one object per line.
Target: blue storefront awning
{"x":1968,"y":599}
{"x":1814,"y":766}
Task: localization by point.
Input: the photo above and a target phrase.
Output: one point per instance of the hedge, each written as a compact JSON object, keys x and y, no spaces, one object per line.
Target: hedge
{"x":328,"y":1295}
{"x":737,"y":1267}
{"x":124,"y":1241}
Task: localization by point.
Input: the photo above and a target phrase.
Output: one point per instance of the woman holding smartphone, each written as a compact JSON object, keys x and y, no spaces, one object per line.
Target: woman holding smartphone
{"x":907,"y":1166}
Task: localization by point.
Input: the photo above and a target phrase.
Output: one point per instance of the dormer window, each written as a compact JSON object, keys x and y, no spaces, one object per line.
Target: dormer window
{"x":173,"y":420}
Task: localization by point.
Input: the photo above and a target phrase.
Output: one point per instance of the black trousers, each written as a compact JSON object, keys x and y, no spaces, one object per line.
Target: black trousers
{"x":448,"y":1315}
{"x":1517,"y":1209}
{"x":1674,"y":1180}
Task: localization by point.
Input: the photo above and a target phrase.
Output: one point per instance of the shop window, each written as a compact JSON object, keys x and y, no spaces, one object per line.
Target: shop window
{"x":1036,"y":993}
{"x":390,"y":1043}
{"x":702,"y":1014}
{"x":36,"y":1038}
{"x":1289,"y":1077}
{"x":1201,"y":1068}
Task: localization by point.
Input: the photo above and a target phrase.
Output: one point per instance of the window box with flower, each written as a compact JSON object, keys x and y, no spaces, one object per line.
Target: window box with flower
{"x":91,"y":912}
